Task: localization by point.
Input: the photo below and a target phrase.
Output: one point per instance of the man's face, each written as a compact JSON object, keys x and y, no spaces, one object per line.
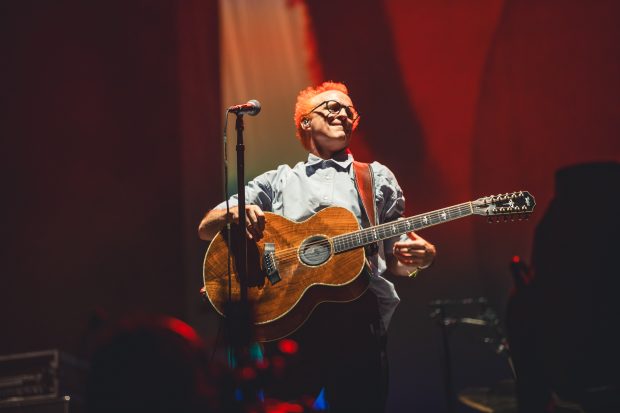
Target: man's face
{"x":329,"y":131}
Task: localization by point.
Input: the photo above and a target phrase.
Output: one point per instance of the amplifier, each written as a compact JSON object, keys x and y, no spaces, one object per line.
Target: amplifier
{"x":51,"y":405}
{"x":50,"y":377}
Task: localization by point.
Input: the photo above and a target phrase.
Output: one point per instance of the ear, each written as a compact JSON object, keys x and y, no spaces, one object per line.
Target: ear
{"x":305,"y":123}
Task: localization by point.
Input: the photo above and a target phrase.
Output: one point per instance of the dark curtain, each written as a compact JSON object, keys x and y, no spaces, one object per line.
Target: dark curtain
{"x":99,"y":109}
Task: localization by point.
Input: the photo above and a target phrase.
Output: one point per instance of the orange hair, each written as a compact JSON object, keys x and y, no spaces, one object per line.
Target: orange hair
{"x":303,"y":105}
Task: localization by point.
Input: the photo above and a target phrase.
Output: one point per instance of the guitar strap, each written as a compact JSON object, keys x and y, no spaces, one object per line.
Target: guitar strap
{"x":365,"y":184}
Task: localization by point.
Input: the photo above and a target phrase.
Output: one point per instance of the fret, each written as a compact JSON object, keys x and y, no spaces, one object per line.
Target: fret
{"x":367,"y":236}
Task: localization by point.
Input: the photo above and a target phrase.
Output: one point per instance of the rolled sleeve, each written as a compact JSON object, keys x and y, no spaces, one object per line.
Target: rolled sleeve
{"x":259,"y":191}
{"x":390,"y":200}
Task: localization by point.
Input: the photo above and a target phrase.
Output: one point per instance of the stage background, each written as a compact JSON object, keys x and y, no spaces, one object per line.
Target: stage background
{"x":111,"y":127}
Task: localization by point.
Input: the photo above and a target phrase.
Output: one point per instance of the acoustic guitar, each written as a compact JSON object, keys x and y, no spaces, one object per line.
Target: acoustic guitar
{"x":296,"y":266}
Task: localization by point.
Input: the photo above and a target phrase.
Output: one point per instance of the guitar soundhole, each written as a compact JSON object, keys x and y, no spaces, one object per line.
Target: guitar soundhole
{"x":315,"y":250}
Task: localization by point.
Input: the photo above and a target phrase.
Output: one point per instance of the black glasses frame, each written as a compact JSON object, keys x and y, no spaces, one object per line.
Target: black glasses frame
{"x":350,"y":110}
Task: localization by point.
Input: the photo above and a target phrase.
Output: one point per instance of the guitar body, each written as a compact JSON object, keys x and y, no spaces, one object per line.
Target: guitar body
{"x":282,"y":307}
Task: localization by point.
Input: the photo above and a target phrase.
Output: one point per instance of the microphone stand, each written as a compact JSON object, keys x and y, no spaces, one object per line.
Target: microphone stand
{"x":238,"y":314}
{"x":242,"y":254}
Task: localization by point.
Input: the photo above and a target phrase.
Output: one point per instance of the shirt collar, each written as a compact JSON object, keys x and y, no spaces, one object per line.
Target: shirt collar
{"x":314,"y":162}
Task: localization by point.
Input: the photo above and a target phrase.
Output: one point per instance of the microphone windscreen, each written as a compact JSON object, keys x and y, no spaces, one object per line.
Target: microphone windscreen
{"x":256,"y":110}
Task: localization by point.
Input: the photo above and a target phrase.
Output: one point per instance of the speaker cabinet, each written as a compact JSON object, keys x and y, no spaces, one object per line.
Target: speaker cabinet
{"x":50,"y":405}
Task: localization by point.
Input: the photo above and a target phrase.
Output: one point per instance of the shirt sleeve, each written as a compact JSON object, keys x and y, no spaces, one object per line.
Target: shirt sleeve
{"x":259,"y":191}
{"x":390,"y":200}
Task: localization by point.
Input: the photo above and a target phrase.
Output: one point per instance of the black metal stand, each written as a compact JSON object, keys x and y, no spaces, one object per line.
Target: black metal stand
{"x":486,"y":318}
{"x":242,"y":254}
{"x":238,"y":313}
{"x":444,"y":324}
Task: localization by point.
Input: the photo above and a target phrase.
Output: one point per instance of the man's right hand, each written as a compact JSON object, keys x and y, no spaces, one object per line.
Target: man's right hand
{"x":254,"y":220}
{"x":215,"y":220}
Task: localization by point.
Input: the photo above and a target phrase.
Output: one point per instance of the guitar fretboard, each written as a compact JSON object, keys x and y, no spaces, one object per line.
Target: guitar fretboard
{"x":367,"y":236}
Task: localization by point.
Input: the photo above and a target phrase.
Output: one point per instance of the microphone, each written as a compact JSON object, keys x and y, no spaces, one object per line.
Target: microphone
{"x":252,"y":108}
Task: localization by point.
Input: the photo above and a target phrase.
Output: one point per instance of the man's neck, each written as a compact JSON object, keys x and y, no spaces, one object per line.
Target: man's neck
{"x":340,"y":155}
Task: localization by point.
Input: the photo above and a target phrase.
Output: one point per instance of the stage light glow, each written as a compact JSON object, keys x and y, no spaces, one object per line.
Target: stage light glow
{"x":288,"y":346}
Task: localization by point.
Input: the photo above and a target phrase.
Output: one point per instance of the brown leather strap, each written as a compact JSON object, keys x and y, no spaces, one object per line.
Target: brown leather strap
{"x":364,"y":180}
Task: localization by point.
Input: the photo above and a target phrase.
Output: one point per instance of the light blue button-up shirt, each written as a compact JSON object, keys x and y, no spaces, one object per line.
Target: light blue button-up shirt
{"x":299,"y":192}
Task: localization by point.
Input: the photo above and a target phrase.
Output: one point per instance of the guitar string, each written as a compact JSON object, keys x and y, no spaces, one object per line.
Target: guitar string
{"x":346,"y":239}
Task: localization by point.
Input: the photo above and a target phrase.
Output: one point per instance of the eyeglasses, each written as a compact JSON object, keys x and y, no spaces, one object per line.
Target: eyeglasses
{"x":334,"y":107}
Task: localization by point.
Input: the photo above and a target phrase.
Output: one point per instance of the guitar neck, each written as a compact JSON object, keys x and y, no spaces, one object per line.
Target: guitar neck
{"x":392,"y":229}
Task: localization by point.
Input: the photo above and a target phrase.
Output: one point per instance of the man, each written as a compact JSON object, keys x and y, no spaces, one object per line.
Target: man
{"x":342,"y":346}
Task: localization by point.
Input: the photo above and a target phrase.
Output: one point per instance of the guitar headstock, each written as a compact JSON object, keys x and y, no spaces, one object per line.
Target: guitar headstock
{"x":514,"y":205}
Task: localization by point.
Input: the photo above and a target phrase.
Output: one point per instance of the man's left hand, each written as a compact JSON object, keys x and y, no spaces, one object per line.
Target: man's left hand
{"x":415,"y":251}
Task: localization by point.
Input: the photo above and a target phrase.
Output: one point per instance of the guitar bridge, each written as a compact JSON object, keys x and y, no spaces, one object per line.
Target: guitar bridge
{"x":269,"y":263}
